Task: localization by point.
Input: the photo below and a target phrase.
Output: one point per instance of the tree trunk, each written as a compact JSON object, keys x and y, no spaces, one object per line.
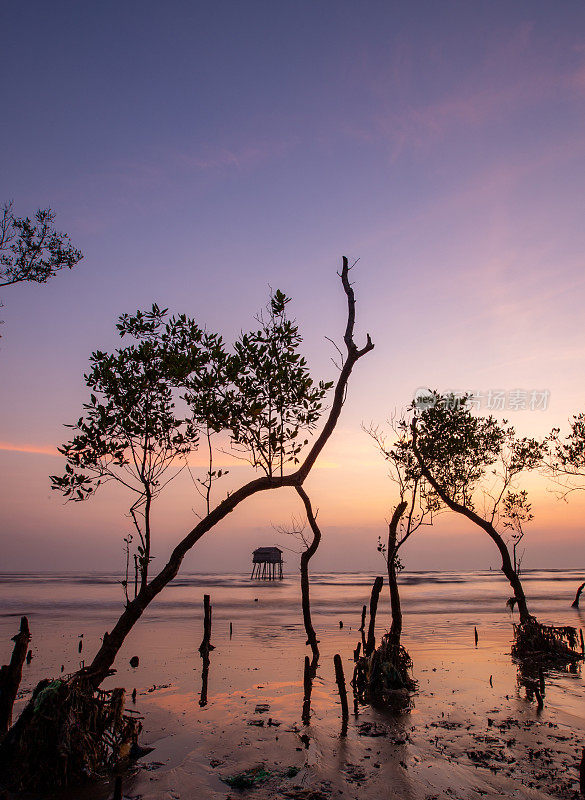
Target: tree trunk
{"x":507,"y":567}
{"x":11,"y":675}
{"x":371,"y":641}
{"x":575,"y":603}
{"x":112,"y":642}
{"x":391,"y":553}
{"x":306,"y":556}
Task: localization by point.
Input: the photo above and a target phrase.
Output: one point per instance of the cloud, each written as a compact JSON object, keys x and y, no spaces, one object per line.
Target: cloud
{"x":45,"y":450}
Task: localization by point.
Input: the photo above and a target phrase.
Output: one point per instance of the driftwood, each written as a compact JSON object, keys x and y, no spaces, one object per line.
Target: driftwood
{"x":11,"y":675}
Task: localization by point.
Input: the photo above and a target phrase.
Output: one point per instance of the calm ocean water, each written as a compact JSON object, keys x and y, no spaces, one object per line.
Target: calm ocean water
{"x":95,"y":594}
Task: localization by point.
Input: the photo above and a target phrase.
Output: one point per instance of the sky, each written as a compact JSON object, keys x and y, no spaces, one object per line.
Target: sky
{"x":200,"y":153}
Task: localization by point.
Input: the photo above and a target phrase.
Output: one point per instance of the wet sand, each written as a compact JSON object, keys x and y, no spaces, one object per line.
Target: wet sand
{"x":465,"y":737}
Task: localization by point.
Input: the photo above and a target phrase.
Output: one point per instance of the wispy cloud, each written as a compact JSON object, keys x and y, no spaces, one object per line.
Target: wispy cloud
{"x":507,"y":79}
{"x":38,"y":449}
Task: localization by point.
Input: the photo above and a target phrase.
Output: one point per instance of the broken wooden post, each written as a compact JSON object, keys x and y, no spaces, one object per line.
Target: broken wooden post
{"x":356,"y":652}
{"x":371,"y":642}
{"x":582,"y":774}
{"x":11,"y":675}
{"x":340,"y":680}
{"x":308,"y":687}
{"x":582,"y":642}
{"x":476,"y":637}
{"x":206,"y":642}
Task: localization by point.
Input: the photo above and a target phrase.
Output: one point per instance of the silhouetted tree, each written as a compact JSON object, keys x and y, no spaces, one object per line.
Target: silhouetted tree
{"x":132,"y":432}
{"x":265,"y":415}
{"x":467,"y":458}
{"x":32,"y":250}
{"x":473,"y":463}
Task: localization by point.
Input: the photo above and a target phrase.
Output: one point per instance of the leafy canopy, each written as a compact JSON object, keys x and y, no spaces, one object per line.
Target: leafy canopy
{"x":33,"y":250}
{"x":468,"y":454}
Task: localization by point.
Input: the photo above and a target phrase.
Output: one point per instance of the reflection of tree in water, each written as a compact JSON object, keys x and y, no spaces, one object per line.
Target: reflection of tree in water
{"x":533,"y":674}
{"x":204,"y":679}
{"x":310,"y":672}
{"x":204,"y":649}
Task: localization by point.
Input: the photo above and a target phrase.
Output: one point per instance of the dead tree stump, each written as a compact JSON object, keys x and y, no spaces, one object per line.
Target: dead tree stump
{"x":340,"y":680}
{"x":371,"y":641}
{"x":11,"y":675}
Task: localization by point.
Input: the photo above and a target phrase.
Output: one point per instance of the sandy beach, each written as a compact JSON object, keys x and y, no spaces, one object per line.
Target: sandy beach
{"x":471,"y":733}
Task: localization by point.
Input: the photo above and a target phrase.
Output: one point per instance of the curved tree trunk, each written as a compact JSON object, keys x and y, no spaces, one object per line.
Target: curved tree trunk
{"x":306,"y":556}
{"x":102,"y":663}
{"x":507,"y":567}
{"x":391,"y":552}
{"x":575,"y":603}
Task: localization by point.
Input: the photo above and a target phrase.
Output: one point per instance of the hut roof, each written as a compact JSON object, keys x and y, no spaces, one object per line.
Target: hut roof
{"x":267,"y":554}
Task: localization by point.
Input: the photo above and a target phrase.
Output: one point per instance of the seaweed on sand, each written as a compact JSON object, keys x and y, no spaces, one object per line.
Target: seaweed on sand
{"x":67,"y":733}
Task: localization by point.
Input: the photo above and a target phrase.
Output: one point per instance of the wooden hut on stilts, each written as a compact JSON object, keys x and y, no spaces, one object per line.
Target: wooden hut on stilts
{"x":267,"y":564}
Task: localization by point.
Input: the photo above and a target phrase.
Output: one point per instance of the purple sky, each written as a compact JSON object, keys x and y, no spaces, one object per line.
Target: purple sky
{"x":199,"y":152}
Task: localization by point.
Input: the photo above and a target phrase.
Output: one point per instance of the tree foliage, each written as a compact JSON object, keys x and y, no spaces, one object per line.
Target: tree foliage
{"x":152,"y":400}
{"x":274,"y":396}
{"x":475,"y":460}
{"x":33,"y":250}
{"x":473,"y":463}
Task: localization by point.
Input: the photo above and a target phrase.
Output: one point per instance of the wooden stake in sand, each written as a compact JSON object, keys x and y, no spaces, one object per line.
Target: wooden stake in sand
{"x":582,"y":774}
{"x":340,"y":680}
{"x":11,"y":675}
{"x":475,"y":636}
{"x":206,"y":645}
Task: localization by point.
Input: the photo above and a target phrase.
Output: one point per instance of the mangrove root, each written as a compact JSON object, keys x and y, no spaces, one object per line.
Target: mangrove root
{"x":67,"y":733}
{"x":547,"y":643}
{"x":384,"y":678}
